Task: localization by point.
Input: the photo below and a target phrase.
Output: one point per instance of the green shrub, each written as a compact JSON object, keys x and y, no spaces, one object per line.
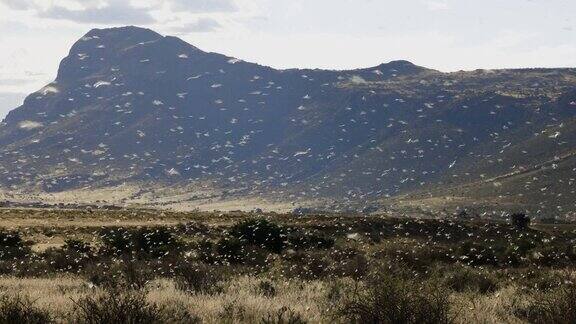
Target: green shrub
{"x":300,"y":241}
{"x":155,"y":241}
{"x":231,"y":249}
{"x":65,"y":260}
{"x":542,"y":280}
{"x":12,"y":246}
{"x":476,"y":254}
{"x":144,"y":242}
{"x":116,"y":241}
{"x":205,"y":251}
{"x":356,"y":267}
{"x":260,"y":232}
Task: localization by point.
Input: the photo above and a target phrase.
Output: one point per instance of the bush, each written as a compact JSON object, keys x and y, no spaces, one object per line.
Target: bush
{"x":116,"y":241}
{"x":156,"y":241}
{"x":198,"y":278}
{"x":542,"y":280}
{"x":356,"y":267}
{"x":477,"y":254}
{"x":126,"y":306}
{"x":205,"y":251}
{"x":65,"y":260}
{"x":306,"y":265}
{"x":266,"y":289}
{"x":462,"y":280}
{"x":19,"y":309}
{"x":232,"y":312}
{"x":125,"y":275}
{"x":389,"y":299}
{"x":301,"y":241}
{"x":77,"y":246}
{"x":12,"y":246}
{"x":231,"y":249}
{"x":260,"y":232}
{"x":557,"y":306}
{"x":151,"y":242}
{"x":283,"y":316}
{"x":520,"y":220}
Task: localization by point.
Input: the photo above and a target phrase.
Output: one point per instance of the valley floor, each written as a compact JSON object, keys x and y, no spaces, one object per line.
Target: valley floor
{"x":138,"y":265}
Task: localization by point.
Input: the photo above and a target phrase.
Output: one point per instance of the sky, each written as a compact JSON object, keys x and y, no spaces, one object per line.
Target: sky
{"x":447,"y":35}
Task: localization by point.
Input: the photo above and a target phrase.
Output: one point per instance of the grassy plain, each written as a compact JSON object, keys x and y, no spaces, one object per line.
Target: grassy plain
{"x":150,"y":266}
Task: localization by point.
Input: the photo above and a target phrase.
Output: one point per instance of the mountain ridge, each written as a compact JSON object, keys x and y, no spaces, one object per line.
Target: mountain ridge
{"x":132,"y":106}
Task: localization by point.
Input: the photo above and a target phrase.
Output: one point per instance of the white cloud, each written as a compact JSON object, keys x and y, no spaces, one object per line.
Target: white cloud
{"x":204,"y":6}
{"x":119,"y":11}
{"x":114,"y":12}
{"x":204,"y":24}
{"x":337,"y":34}
{"x":436,"y":5}
{"x":17,"y":4}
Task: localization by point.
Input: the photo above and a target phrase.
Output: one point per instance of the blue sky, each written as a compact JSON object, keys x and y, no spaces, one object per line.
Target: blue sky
{"x":447,"y":35}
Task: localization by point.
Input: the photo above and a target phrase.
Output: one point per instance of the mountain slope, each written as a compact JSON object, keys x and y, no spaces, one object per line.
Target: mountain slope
{"x":132,"y":106}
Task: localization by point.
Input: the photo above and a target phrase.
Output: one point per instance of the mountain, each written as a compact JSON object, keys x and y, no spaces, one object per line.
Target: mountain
{"x":130,"y":106}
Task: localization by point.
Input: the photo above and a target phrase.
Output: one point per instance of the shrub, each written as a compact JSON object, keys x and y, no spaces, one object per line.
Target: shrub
{"x":232,"y":312}
{"x":283,"y":316}
{"x":231,"y":249}
{"x":389,"y":299}
{"x":205,"y":251}
{"x":64,"y":259}
{"x":306,"y":265}
{"x":198,"y":278}
{"x":266,"y":289}
{"x":543,"y":280}
{"x":77,"y":246}
{"x":72,"y":257}
{"x":520,"y":220}
{"x":466,"y":279}
{"x":356,"y":267}
{"x":300,"y":241}
{"x":117,"y":306}
{"x":193,"y":228}
{"x":116,"y":241}
{"x":12,"y":246}
{"x":125,"y":275}
{"x":153,"y":242}
{"x":20,"y":309}
{"x":476,"y":254}
{"x":260,"y":232}
{"x":557,"y":306}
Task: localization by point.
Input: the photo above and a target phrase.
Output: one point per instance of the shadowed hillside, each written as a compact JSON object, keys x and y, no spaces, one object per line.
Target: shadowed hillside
{"x":131,"y":106}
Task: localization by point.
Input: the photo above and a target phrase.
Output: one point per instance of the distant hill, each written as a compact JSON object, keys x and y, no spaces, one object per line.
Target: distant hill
{"x":132,"y":106}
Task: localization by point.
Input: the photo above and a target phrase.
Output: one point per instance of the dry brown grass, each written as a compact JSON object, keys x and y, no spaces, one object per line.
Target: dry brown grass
{"x":241,"y":301}
{"x":240,"y":298}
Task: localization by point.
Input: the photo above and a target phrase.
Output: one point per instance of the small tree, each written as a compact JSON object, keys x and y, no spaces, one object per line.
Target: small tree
{"x":520,"y":220}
